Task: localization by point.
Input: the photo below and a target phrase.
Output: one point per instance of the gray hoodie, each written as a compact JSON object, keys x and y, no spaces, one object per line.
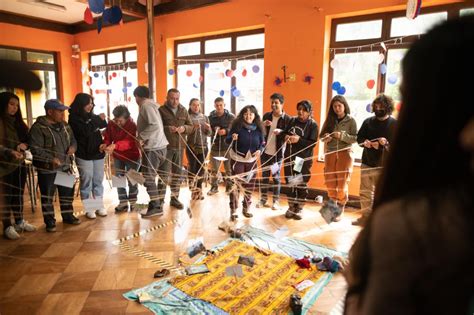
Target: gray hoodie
{"x":150,"y":126}
{"x":48,"y":141}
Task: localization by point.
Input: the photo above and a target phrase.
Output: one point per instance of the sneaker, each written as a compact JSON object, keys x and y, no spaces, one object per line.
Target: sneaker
{"x":262,"y":204}
{"x":24,"y":226}
{"x":176,"y":203}
{"x":153,"y":212}
{"x":90,"y":215}
{"x":122,"y":207}
{"x":214,"y":190}
{"x":276,"y":205}
{"x":71,"y":219}
{"x":293,"y":213}
{"x":50,"y":227}
{"x":10,"y":233}
{"x":101,"y":212}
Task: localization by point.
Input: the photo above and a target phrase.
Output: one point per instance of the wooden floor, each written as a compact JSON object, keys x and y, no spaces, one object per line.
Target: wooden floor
{"x":78,"y":269}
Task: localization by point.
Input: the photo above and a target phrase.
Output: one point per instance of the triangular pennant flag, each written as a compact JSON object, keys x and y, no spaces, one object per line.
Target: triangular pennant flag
{"x":88,"y":18}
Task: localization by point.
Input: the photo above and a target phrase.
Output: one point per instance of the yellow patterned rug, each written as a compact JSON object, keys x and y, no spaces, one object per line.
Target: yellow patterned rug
{"x":265,"y":288}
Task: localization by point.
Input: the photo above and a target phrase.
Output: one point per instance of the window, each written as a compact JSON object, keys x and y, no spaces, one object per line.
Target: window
{"x":218,"y":45}
{"x":10,"y":54}
{"x":44,"y":65}
{"x":256,"y":41}
{"x":39,"y":57}
{"x":113,"y":77}
{"x":189,"y":49}
{"x":361,"y":67}
{"x":359,"y":30}
{"x":402,"y":26}
{"x":228,"y":66}
{"x":467,"y":11}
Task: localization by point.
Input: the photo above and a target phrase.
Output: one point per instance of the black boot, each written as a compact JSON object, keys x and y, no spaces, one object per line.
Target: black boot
{"x":246,"y":213}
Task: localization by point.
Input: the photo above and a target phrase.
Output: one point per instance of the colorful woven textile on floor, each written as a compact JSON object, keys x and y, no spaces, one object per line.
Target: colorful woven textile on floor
{"x":264,"y":288}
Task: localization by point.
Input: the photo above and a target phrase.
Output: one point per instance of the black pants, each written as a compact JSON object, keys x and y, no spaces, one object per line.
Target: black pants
{"x":297,"y":194}
{"x":13,"y":188}
{"x":268,"y":160}
{"x":195,"y":164}
{"x":48,"y":189}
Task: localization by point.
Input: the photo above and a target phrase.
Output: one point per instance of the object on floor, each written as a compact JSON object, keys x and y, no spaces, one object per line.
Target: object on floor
{"x":301,"y":286}
{"x":161,"y":273}
{"x":330,"y":211}
{"x":295,"y":304}
{"x":304,"y":263}
{"x":196,"y":269}
{"x":195,"y":249}
{"x":328,"y":264}
{"x":209,"y":293}
{"x":246,"y":260}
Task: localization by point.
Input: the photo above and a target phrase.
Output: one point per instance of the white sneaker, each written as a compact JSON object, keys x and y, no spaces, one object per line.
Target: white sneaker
{"x":11,"y":234}
{"x":101,"y":212}
{"x":90,"y":215}
{"x":24,"y":226}
{"x":276,"y":205}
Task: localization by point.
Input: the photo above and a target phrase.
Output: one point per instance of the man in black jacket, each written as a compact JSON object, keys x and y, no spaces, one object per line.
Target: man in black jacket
{"x":375,"y":136}
{"x":275,"y":123}
{"x":220,"y":120}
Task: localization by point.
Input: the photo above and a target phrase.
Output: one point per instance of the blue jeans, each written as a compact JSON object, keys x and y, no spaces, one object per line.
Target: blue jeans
{"x":121,"y":167}
{"x":92,"y":176}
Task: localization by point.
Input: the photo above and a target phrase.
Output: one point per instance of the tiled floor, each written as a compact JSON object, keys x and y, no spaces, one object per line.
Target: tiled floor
{"x":78,"y":269}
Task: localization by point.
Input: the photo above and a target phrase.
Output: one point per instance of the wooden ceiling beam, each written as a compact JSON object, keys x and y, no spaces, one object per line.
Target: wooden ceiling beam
{"x":181,"y":5}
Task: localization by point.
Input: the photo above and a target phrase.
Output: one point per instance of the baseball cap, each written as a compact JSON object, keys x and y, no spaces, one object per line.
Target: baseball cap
{"x":55,"y":104}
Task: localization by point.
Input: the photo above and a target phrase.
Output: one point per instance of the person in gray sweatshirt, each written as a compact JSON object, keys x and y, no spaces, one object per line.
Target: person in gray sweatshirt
{"x":153,"y":144}
{"x":52,"y":144}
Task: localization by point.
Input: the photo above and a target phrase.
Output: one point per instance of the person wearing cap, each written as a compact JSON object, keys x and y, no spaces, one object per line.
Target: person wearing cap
{"x":301,"y":135}
{"x":52,"y":144}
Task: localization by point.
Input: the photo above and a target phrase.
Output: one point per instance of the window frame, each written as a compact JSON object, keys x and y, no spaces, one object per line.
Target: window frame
{"x":111,"y":67}
{"x":32,"y":66}
{"x":373,"y":44}
{"x":204,"y":58}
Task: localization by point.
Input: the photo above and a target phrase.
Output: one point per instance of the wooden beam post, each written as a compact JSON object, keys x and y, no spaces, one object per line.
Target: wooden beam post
{"x":151,"y":48}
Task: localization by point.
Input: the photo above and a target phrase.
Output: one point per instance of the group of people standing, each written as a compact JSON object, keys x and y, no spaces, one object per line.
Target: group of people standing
{"x":156,"y":143}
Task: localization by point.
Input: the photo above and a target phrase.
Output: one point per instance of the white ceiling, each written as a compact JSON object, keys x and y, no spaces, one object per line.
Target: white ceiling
{"x":74,"y":10}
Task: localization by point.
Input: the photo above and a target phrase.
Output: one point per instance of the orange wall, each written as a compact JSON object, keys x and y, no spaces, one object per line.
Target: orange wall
{"x":296,"y":35}
{"x":26,"y":37}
